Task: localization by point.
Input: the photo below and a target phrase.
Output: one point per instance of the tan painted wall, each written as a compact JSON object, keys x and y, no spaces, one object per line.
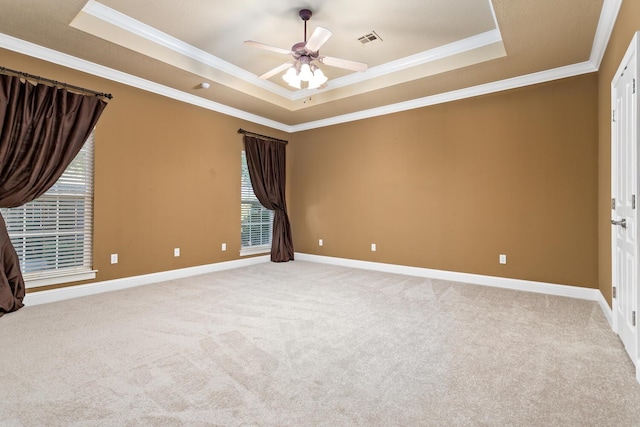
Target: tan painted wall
{"x":167,"y":174}
{"x":446,"y":187}
{"x":627,"y":24}
{"x":452,"y":186}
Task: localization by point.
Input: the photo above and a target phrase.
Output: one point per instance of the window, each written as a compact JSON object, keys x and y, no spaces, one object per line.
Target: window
{"x":52,"y":235}
{"x":256,"y":220}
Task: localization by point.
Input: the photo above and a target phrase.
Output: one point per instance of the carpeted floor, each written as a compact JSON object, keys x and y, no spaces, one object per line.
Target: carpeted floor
{"x":304,"y":344}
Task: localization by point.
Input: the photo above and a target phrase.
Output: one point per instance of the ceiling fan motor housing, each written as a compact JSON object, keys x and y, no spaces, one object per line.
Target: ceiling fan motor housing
{"x":298,"y":50}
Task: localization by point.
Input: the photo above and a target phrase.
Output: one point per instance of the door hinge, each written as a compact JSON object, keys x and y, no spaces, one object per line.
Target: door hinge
{"x":634,"y":86}
{"x":613,"y":203}
{"x":615,"y":294}
{"x":633,"y":201}
{"x":613,"y":116}
{"x":633,"y":318}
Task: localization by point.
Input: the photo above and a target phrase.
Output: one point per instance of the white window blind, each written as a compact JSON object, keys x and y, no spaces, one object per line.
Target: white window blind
{"x":256,"y":220}
{"x":52,"y":235}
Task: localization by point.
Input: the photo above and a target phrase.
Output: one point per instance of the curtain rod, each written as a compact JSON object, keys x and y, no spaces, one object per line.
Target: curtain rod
{"x":54,"y":82}
{"x":246,"y":132}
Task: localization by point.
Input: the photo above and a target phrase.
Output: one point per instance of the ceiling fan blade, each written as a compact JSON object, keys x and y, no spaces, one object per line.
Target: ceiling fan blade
{"x":276,"y":70}
{"x":267,"y":47}
{"x":343,"y":63}
{"x":318,"y":38}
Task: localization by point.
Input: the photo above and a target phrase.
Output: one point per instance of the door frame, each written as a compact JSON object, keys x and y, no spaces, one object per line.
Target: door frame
{"x":634,"y":48}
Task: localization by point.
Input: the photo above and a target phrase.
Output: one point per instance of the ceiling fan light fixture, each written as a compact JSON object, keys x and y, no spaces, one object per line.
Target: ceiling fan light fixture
{"x":305,"y":73}
{"x":318,"y":76}
{"x":304,"y":53}
{"x":313,"y":75}
{"x":290,"y":74}
{"x":292,"y":78}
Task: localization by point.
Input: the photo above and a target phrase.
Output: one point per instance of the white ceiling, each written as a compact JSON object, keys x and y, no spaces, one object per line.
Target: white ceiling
{"x":431,"y":50}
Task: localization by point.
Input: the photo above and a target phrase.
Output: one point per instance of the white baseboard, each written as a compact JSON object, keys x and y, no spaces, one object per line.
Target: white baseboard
{"x":604,"y":305}
{"x":53,"y":295}
{"x":476,"y":279}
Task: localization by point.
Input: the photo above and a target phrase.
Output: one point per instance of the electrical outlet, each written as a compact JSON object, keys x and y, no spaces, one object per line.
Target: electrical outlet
{"x":224,"y":247}
{"x":373,"y":247}
{"x":114,"y":258}
{"x":320,"y":242}
{"x":176,"y":251}
{"x":503,"y":259}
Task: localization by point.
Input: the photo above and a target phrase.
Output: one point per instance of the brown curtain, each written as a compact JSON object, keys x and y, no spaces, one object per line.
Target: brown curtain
{"x":42,"y":130}
{"x":266,"y":163}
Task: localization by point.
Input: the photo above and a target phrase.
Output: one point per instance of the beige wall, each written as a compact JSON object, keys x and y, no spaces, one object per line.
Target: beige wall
{"x":167,"y":174}
{"x":627,"y":24}
{"x":452,"y":186}
{"x":446,"y":187}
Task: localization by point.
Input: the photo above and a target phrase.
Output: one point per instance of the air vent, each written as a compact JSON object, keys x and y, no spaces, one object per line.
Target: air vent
{"x":368,"y":38}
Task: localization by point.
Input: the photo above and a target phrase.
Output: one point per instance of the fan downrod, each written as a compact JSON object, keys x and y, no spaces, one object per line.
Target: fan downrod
{"x":305,"y":14}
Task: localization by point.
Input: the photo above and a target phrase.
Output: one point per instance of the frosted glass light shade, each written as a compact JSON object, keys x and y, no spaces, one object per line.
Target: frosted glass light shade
{"x":308,"y":73}
{"x":291,"y":77}
{"x":305,"y":73}
{"x":319,"y":77}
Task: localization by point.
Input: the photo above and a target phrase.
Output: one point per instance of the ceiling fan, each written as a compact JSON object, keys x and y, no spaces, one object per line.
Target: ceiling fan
{"x":303,"y":68}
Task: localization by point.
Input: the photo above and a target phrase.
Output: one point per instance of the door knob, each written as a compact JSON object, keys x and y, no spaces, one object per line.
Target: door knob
{"x":622,"y":222}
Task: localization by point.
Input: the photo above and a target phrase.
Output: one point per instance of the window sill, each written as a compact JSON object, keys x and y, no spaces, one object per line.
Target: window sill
{"x":254,"y":250}
{"x":36,"y":280}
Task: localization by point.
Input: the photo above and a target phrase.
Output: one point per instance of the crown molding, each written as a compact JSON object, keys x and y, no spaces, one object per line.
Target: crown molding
{"x":603,"y":33}
{"x":608,"y":16}
{"x":485,"y":89}
{"x":140,"y":30}
{"x":153,"y":35}
{"x":452,"y":49}
{"x":59,"y":58}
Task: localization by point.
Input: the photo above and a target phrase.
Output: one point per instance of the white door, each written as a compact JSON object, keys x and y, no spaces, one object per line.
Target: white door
{"x":624,"y":209}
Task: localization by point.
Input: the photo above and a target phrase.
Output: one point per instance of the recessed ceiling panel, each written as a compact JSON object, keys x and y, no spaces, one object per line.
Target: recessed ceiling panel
{"x":418,"y":48}
{"x":423,"y":48}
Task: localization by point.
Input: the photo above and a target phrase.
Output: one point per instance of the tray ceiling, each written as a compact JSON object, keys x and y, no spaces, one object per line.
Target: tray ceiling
{"x":426,"y":50}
